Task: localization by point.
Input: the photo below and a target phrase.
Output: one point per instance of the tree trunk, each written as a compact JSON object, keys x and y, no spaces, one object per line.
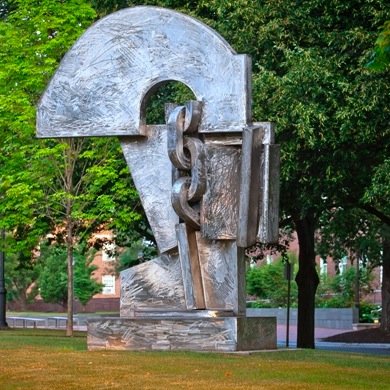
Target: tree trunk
{"x":307,"y":281}
{"x":70,"y":160}
{"x":69,"y":260}
{"x":385,"y":318}
{"x":23,"y":300}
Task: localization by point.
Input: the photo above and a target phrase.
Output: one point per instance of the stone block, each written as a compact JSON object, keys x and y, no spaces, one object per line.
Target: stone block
{"x":218,"y":334}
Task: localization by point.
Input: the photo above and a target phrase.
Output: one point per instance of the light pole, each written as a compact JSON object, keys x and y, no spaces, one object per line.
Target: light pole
{"x":3,"y":291}
{"x":288,"y":275}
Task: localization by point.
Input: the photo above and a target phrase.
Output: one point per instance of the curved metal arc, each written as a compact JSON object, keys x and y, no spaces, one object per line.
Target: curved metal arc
{"x":180,"y":203}
{"x":101,"y":95}
{"x":193,"y":113}
{"x":175,"y":139}
{"x":198,"y":168}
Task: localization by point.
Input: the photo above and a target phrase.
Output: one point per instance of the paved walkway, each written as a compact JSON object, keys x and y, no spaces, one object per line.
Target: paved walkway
{"x":320,"y":333}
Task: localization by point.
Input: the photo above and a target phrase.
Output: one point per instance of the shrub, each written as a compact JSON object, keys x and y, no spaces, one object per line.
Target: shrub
{"x":268,"y":284}
{"x":339,"y":291}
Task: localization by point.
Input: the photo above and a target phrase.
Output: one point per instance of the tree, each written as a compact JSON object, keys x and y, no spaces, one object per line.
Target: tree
{"x":267,"y":282}
{"x":326,"y":105}
{"x":21,"y":274}
{"x":53,"y":278}
{"x":339,"y":290}
{"x":381,"y":55}
{"x":35,"y":35}
{"x":47,"y":184}
{"x":331,"y":115}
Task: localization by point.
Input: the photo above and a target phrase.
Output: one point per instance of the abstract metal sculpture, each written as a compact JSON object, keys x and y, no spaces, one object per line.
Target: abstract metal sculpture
{"x":208,"y":179}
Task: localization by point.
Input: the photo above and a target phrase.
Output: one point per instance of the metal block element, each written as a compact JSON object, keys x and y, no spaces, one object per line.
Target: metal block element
{"x":248,"y":219}
{"x":103,"y":81}
{"x":219,"y":208}
{"x":151,"y":171}
{"x":269,"y":186}
{"x":218,"y":265}
{"x":189,"y":334}
{"x":102,"y":88}
{"x":269,"y":208}
{"x":190,"y":267}
{"x":154,"y":284}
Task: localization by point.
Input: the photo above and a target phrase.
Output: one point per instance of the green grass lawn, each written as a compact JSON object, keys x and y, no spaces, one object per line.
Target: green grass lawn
{"x":46,"y":359}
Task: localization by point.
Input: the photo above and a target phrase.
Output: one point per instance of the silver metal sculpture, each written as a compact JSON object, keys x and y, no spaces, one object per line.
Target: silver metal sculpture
{"x":208,"y":179}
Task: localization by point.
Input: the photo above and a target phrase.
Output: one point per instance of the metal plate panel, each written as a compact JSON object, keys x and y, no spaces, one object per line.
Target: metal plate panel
{"x":218,"y":264}
{"x":190,"y":267}
{"x":151,"y":171}
{"x":269,"y":206}
{"x":248,"y":218}
{"x":156,"y":283}
{"x":219,"y":208}
{"x":101,"y":83}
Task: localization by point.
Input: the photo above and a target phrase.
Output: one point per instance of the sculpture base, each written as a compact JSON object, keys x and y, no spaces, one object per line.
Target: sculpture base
{"x":186,"y":333}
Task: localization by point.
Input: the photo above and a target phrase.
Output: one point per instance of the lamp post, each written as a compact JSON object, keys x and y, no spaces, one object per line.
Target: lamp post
{"x":288,"y":275}
{"x":3,"y":291}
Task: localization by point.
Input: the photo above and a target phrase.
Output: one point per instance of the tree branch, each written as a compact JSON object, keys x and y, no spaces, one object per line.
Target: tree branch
{"x":372,"y":210}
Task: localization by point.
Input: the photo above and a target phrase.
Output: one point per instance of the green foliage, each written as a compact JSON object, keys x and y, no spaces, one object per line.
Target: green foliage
{"x":171,"y":92}
{"x":138,"y":252}
{"x":381,"y":55}
{"x":39,"y":179}
{"x":53,"y":278}
{"x":346,"y":231}
{"x":34,"y":36}
{"x":369,"y":313}
{"x":339,"y":290}
{"x":85,"y":287}
{"x":53,"y":275}
{"x":269,"y":285}
{"x":21,"y":272}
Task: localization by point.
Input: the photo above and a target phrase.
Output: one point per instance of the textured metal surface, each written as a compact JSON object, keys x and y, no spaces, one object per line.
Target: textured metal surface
{"x":218,"y":265}
{"x":190,"y":267}
{"x":101,"y":84}
{"x":269,"y":187}
{"x":182,"y":119}
{"x":188,"y":157}
{"x":248,"y":218}
{"x":180,"y":204}
{"x":156,"y":283}
{"x":206,"y":334}
{"x":151,"y":171}
{"x":219,"y":209}
{"x":102,"y":88}
{"x":177,"y":314}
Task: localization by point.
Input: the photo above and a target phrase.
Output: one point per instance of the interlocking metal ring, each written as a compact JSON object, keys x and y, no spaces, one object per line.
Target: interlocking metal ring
{"x":188,"y":156}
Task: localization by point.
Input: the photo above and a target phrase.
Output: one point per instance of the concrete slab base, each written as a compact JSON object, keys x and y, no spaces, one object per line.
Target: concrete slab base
{"x":223,"y":334}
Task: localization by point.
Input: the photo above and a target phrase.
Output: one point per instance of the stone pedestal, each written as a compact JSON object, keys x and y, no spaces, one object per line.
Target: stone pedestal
{"x":187,"y":332}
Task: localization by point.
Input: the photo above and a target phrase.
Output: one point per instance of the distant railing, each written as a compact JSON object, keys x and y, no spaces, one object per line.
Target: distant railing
{"x":324,"y":318}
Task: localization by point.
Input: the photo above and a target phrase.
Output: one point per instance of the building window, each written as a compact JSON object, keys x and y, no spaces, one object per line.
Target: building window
{"x":343,"y":264}
{"x":108,"y":251}
{"x":323,"y":267}
{"x":108,"y":284}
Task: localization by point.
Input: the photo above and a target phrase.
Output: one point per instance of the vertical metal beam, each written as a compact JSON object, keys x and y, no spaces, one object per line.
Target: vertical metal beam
{"x":248,"y":215}
{"x":240,"y":303}
{"x":190,"y":267}
{"x":269,"y":186}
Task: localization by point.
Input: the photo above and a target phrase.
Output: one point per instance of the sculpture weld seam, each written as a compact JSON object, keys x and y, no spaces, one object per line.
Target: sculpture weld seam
{"x":208,"y":179}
